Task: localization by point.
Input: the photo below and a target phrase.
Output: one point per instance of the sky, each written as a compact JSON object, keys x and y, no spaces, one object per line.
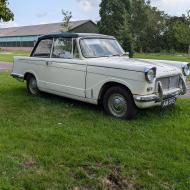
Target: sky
{"x":49,"y":11}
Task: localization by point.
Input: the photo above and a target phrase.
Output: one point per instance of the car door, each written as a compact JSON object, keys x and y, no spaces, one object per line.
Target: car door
{"x":66,"y":72}
{"x":38,"y":61}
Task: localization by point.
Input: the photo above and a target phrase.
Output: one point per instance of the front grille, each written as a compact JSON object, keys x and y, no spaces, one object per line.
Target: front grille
{"x":169,"y":83}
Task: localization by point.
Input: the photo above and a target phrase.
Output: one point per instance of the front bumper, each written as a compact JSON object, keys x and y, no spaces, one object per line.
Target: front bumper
{"x":157,"y":98}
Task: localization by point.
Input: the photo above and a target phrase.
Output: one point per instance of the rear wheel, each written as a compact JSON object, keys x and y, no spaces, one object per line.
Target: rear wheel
{"x":32,"y":86}
{"x":119,"y":103}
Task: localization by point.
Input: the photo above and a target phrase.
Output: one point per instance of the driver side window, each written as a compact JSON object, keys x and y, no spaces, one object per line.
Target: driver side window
{"x":62,"y":48}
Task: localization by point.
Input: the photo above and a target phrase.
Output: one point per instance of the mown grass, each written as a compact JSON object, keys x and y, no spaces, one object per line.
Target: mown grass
{"x":48,"y":142}
{"x":162,"y":56}
{"x":8,"y":56}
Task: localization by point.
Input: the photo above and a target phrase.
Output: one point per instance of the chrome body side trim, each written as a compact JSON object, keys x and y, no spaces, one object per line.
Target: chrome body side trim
{"x":17,"y":76}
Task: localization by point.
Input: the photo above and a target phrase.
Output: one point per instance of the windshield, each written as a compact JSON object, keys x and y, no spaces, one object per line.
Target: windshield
{"x":100,"y":47}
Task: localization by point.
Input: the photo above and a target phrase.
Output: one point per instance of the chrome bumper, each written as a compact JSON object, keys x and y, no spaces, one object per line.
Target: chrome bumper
{"x":158,"y":98}
{"x":17,"y":76}
{"x":161,"y":95}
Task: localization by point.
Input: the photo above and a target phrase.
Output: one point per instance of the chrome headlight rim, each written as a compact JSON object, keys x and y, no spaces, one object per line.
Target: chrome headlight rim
{"x":150,"y":74}
{"x":186,"y":69}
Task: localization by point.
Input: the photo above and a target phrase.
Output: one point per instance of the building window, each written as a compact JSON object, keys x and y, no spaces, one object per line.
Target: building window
{"x":17,"y":44}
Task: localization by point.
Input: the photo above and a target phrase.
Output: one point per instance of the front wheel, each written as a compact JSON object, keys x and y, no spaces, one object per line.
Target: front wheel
{"x":119,"y":103}
{"x":32,"y":86}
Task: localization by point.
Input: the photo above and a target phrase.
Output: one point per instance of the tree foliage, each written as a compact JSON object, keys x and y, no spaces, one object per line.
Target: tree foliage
{"x":148,"y":25}
{"x":113,"y":16}
{"x":115,"y":20}
{"x":5,"y":13}
{"x":65,"y":26}
{"x":182,"y":31}
{"x":136,"y":24}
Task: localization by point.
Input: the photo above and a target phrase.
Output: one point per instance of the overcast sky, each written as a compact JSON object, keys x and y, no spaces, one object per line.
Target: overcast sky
{"x":47,"y":11}
{"x":172,"y":7}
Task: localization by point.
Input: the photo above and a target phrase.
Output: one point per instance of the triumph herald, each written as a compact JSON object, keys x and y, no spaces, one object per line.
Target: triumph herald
{"x":94,"y":68}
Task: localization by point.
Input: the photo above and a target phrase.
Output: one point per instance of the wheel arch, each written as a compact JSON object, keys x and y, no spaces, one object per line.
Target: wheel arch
{"x":26,"y":74}
{"x":107,"y":86}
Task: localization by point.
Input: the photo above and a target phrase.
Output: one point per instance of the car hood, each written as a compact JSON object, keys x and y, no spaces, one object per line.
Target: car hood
{"x":135,"y":65}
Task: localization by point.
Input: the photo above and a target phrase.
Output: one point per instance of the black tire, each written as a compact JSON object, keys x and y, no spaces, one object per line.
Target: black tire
{"x":31,"y":84}
{"x":119,"y":103}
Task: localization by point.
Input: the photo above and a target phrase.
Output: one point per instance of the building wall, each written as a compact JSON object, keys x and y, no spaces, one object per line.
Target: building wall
{"x":86,"y":28}
{"x":29,"y":49}
{"x":18,"y":39}
{"x":26,"y":43}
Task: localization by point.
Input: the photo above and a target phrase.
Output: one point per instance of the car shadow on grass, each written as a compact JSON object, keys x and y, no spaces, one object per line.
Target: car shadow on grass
{"x":68,"y":101}
{"x":155,"y":112}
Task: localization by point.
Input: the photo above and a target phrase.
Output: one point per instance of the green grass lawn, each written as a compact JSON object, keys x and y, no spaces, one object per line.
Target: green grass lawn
{"x":162,"y":56}
{"x":8,"y":56}
{"x":52,"y":143}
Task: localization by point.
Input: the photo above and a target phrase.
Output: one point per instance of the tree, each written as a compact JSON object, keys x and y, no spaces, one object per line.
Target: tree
{"x":182,"y":31}
{"x":65,"y":26}
{"x":134,"y":22}
{"x":138,"y":22}
{"x":126,"y":36}
{"x":148,"y":26}
{"x":115,"y":21}
{"x":5,"y":13}
{"x":169,"y":41}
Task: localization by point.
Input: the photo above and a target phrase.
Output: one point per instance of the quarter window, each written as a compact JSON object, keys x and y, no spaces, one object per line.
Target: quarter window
{"x":43,"y":49}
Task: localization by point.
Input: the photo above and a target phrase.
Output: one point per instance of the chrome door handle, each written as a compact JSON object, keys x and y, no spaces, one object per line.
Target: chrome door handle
{"x":48,"y":63}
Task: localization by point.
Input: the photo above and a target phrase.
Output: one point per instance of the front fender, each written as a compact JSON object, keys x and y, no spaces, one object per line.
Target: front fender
{"x":134,"y":86}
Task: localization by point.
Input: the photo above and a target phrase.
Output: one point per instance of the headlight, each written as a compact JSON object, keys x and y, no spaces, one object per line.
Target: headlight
{"x":186,"y":69}
{"x":150,"y":74}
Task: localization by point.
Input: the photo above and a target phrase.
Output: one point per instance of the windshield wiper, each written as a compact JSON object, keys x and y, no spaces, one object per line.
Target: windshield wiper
{"x":115,"y":55}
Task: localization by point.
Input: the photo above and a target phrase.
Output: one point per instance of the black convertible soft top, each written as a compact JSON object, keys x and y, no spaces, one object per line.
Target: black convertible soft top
{"x":73,"y":35}
{"x":69,"y":35}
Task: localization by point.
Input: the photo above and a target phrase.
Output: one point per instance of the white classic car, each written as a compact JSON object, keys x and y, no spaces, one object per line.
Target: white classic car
{"x":94,"y":68}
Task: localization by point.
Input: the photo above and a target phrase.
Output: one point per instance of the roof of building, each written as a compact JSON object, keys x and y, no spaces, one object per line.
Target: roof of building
{"x":36,"y":30}
{"x":73,"y":35}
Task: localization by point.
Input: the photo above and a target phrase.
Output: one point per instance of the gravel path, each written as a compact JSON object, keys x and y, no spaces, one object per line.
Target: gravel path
{"x":5,"y":66}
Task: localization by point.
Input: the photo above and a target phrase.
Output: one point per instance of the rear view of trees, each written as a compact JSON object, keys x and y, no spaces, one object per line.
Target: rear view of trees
{"x":5,"y":13}
{"x":115,"y":21}
{"x":147,"y":26}
{"x":144,"y":28}
{"x":182,"y":31}
{"x":67,"y":16}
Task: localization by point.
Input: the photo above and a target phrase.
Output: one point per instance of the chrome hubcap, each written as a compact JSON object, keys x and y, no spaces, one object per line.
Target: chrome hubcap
{"x":117,"y":105}
{"x":33,"y":86}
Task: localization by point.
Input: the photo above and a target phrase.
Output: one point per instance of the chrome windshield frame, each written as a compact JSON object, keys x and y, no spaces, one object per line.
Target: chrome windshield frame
{"x":93,"y":37}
